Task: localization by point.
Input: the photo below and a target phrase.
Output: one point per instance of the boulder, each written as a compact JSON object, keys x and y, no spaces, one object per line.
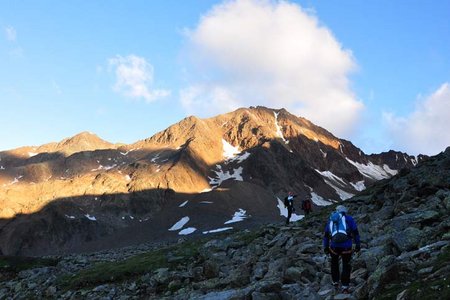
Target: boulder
{"x":407,"y":239}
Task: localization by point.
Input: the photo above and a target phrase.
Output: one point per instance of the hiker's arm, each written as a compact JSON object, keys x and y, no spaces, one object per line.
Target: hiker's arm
{"x":326,"y":237}
{"x":355,"y":233}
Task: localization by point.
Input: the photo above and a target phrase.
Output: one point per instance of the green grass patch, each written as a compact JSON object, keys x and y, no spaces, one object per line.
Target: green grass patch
{"x":443,"y":257}
{"x":247,"y":237}
{"x":419,"y":290}
{"x":21,"y":263}
{"x":116,"y":271}
{"x":172,"y":257}
{"x":426,"y":290}
{"x":423,"y":290}
{"x":169,"y":257}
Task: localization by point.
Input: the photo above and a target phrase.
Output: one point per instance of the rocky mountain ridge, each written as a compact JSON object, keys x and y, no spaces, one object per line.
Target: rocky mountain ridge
{"x":244,"y":160}
{"x":404,"y":228}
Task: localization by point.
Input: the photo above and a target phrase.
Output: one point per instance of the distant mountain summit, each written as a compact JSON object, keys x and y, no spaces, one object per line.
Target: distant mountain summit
{"x":84,"y":141}
{"x":83,"y":192}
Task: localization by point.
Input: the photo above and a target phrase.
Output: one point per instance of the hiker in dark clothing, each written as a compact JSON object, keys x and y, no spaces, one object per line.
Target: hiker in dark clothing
{"x":306,"y":206}
{"x":289,"y":204}
{"x":340,"y":230}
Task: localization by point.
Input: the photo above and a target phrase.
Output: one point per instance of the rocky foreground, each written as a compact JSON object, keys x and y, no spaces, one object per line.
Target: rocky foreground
{"x":405,"y":254}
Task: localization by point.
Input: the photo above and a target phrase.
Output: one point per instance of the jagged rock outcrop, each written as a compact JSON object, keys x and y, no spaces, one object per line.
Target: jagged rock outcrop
{"x":251,"y":149}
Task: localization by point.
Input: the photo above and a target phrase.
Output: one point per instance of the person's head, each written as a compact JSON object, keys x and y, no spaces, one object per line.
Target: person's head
{"x":341,"y":209}
{"x":290,"y":193}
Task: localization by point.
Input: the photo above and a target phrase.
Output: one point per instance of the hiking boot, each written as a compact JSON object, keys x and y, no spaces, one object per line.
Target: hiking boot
{"x":336,"y":285}
{"x":345,"y":290}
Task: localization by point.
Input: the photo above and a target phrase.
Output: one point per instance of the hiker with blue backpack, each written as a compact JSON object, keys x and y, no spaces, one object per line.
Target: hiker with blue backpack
{"x":340,"y":230}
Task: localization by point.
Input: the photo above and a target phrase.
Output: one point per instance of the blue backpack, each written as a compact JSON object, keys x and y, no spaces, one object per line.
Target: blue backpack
{"x":338,"y":228}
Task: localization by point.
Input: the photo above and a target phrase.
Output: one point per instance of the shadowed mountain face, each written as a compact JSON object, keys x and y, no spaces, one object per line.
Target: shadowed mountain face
{"x":83,"y":192}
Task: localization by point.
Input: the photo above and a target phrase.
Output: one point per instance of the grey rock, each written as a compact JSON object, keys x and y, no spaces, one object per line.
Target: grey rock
{"x":210,"y":269}
{"x":293,"y":274}
{"x":101,"y":288}
{"x":260,"y":270}
{"x":161,"y":275}
{"x":275,"y":268}
{"x":265,"y":296}
{"x":197,"y":273}
{"x":425,"y":271}
{"x":51,"y":292}
{"x":359,"y":274}
{"x":386,"y":213}
{"x":279,"y":241}
{"x":361,"y":291}
{"x":387,"y":271}
{"x":343,"y":297}
{"x":175,"y":285}
{"x":371,"y":256}
{"x":267,"y":286}
{"x":407,"y":239}
{"x":309,"y":248}
{"x":222,"y":295}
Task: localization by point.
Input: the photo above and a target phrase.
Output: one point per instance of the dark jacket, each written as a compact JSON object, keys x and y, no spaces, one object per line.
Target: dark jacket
{"x":352,"y":232}
{"x":289,"y":203}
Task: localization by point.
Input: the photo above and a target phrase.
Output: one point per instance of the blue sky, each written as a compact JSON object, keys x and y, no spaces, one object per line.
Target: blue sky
{"x":374,"y":72}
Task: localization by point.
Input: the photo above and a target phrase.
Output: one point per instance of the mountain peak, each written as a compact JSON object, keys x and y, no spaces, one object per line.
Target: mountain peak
{"x":83,"y":141}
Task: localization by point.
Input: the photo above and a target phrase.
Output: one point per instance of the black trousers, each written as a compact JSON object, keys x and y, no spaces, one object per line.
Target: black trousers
{"x":346,"y":255}
{"x":290,"y":209}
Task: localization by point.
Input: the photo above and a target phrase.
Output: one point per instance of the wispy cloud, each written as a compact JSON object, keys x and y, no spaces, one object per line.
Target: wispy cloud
{"x":11,"y":34}
{"x":273,"y":53}
{"x":56,"y":87}
{"x":134,"y":78}
{"x":427,"y":129}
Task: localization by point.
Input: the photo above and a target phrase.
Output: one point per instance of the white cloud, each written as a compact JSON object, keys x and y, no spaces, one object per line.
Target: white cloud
{"x":56,"y":87}
{"x":11,"y":34}
{"x":427,"y":129}
{"x":134,"y":78}
{"x":257,"y":52}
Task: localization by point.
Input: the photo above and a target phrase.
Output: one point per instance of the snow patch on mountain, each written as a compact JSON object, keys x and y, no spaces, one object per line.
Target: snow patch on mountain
{"x":92,"y":218}
{"x":178,"y":225}
{"x":240,"y":158}
{"x":153,"y":160}
{"x":16,"y":180}
{"x":238,"y":216}
{"x":70,"y":217}
{"x":341,"y":193}
{"x":333,"y":181}
{"x":332,"y":177}
{"x":183,"y":204}
{"x":221,"y":176}
{"x":106,"y":168}
{"x":319,"y":201}
{"x":31,"y":154}
{"x":359,"y":186}
{"x":229,"y":151}
{"x":284,"y":212}
{"x":279,"y":132}
{"x":373,"y":171}
{"x":217,"y":230}
{"x":187,"y":231}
